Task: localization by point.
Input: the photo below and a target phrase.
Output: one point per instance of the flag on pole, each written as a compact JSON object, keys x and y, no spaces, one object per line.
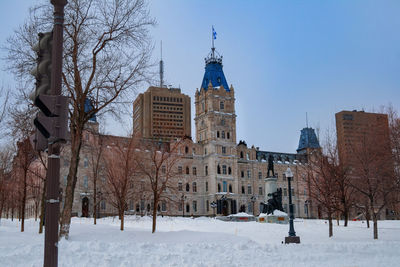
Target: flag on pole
{"x":214,"y":33}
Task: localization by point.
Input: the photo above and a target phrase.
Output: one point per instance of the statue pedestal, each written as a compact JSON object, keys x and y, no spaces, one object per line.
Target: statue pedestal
{"x":278,"y":217}
{"x":270,"y":187}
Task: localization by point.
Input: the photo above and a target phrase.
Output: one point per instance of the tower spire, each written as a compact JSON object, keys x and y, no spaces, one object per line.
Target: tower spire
{"x":161,"y":68}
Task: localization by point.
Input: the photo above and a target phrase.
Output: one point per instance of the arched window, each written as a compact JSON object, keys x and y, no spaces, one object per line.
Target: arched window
{"x":229,"y":170}
{"x":187,"y":187}
{"x":194,"y":187}
{"x":217,"y":134}
{"x":223,"y":134}
{"x":186,"y":149}
{"x":187,"y":208}
{"x":187,"y":170}
{"x":241,"y":154}
{"x":219,"y":169}
{"x":206,"y":170}
{"x":243,"y":190}
{"x":219,"y":187}
{"x":230,"y":188}
{"x":227,"y":135}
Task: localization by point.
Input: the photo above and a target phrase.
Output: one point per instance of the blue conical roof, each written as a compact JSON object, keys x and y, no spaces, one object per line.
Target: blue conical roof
{"x":214,"y":73}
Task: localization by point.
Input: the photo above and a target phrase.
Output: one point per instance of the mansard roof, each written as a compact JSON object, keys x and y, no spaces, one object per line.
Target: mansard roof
{"x":308,"y":139}
{"x":213,"y":72}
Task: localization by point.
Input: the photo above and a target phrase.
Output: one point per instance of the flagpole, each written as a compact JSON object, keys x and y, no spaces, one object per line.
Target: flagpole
{"x":212,"y":40}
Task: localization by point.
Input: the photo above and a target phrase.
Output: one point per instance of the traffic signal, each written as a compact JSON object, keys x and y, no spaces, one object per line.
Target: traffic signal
{"x":42,"y":70}
{"x":51,"y":120}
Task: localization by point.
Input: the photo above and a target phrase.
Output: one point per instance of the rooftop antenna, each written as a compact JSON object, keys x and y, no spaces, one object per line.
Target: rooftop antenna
{"x":306,"y":120}
{"x":161,"y":70}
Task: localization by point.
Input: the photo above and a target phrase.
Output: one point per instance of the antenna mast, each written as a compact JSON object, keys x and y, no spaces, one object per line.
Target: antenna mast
{"x":161,"y":70}
{"x":306,"y":120}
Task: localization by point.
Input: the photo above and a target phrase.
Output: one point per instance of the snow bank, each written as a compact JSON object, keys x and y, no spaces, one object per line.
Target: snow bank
{"x":203,"y":242}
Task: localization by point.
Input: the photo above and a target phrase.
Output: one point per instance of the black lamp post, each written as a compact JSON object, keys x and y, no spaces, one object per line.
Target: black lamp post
{"x":292,"y":238}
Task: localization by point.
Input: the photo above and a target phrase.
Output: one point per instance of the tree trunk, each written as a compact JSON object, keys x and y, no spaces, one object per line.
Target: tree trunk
{"x":76,"y":144}
{"x":367,"y":216}
{"x":94,"y":200}
{"x":121,"y":216}
{"x":338,"y":218}
{"x":23,"y":205}
{"x":330,"y":224}
{"x":154,"y":213}
{"x":42,"y":207}
{"x":346,"y":216}
{"x":375,"y":219}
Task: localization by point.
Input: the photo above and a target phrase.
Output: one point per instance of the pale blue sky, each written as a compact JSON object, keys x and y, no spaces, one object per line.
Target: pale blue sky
{"x":284,"y":58}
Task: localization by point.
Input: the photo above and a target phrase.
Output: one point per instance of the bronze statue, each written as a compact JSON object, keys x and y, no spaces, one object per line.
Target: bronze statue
{"x":271,"y":166}
{"x":274,"y":203}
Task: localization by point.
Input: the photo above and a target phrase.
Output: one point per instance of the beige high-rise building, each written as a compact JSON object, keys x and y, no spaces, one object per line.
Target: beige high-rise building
{"x":162,"y":113}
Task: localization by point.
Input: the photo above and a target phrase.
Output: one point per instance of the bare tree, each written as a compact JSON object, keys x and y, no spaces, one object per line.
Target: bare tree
{"x":106,"y":57}
{"x":323,"y":187}
{"x":5,"y":171}
{"x":4,"y":94}
{"x":96,"y":149}
{"x":120,"y":169}
{"x":156,"y":161}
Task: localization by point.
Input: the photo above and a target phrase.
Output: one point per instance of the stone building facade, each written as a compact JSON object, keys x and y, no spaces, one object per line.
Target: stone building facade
{"x":216,"y":175}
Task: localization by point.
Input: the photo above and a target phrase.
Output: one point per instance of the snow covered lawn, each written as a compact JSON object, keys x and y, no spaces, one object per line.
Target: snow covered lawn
{"x":203,"y":242}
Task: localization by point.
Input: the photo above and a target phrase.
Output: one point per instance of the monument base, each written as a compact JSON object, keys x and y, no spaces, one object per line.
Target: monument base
{"x":292,"y":239}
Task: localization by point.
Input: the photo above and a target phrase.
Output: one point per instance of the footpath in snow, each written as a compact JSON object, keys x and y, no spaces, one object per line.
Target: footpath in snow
{"x":203,"y":242}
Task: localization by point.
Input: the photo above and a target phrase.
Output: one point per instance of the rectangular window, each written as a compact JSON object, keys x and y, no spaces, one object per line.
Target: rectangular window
{"x":85,"y":182}
{"x":207,"y":206}
{"x":242,"y":174}
{"x":206,"y":170}
{"x":180,"y":186}
{"x":180,"y":207}
{"x":223,"y":169}
{"x":221,"y":105}
{"x":103,"y":205}
{"x":248,"y":174}
{"x":206,"y":186}
{"x":249,"y":189}
{"x":260,"y":191}
{"x":194,"y":171}
{"x":292,"y":192}
{"x":180,"y":169}
{"x":223,"y":150}
{"x":194,"y":206}
{"x":259,"y":175}
{"x":163,"y":206}
{"x":285,"y":192}
{"x":224,"y":186}
{"x":85,"y":162}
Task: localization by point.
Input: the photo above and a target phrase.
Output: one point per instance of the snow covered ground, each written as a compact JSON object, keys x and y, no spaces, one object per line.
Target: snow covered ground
{"x":203,"y":242}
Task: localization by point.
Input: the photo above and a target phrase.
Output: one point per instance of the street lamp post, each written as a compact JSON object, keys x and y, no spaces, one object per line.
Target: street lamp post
{"x":292,"y":238}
